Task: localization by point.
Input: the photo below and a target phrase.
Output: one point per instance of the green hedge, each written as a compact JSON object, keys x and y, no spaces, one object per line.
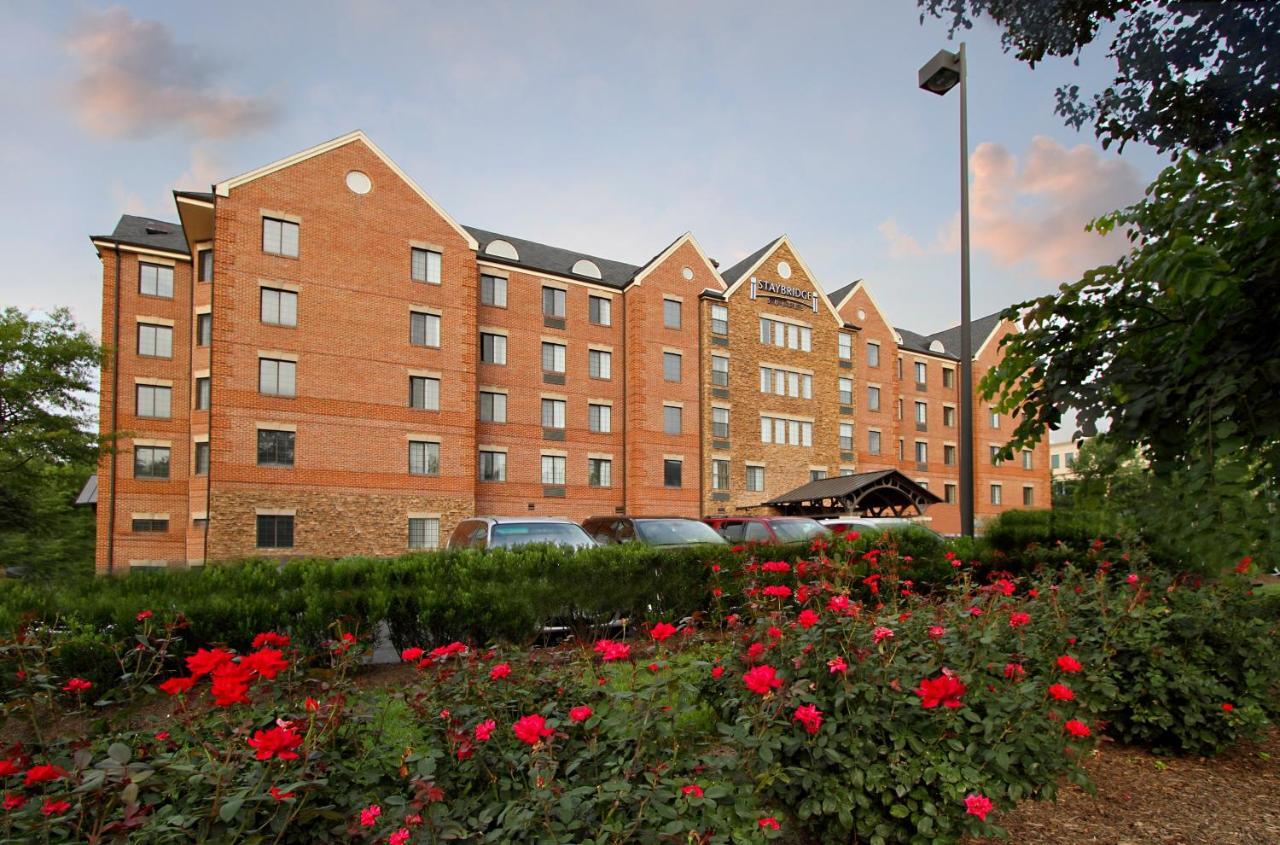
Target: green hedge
{"x":1013,"y":531}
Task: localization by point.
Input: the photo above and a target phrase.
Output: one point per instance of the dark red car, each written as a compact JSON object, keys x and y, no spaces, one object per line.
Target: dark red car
{"x":767,"y":529}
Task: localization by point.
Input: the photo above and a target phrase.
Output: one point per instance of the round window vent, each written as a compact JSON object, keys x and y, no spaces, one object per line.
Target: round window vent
{"x":784,"y":269}
{"x":359,"y":183}
{"x":862,"y":315}
{"x":687,"y":273}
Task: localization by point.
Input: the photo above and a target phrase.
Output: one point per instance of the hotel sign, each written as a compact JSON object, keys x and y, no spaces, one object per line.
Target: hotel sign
{"x":784,"y":295}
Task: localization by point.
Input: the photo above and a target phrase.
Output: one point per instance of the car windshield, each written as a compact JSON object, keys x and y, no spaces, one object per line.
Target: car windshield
{"x":796,"y":530}
{"x":506,"y":535}
{"x":676,"y":532}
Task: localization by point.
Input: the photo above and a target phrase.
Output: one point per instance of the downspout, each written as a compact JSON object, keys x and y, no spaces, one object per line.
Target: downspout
{"x":208,"y":476}
{"x":703,"y":424}
{"x":115,"y":418}
{"x":626,"y":397}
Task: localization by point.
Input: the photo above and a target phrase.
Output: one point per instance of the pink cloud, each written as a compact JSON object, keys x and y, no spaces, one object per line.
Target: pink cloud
{"x":136,"y":80}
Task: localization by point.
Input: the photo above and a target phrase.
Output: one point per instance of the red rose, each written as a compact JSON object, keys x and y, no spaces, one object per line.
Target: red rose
{"x":77,"y":685}
{"x":13,"y":802}
{"x":662,"y":631}
{"x":837,"y":666}
{"x":531,"y":729}
{"x":143,"y":615}
{"x":717,"y":672}
{"x":203,"y":662}
{"x":1067,"y":663}
{"x":266,"y":663}
{"x":485,"y":729}
{"x":231,"y":685}
{"x":9,"y":767}
{"x":809,"y":716}
{"x":1017,"y":620}
{"x":1061,"y":692}
{"x":762,"y":680}
{"x":178,"y":686}
{"x":807,"y":619}
{"x":978,"y":805}
{"x":278,"y":742}
{"x":44,"y":774}
{"x":1075,"y":727}
{"x":580,"y":714}
{"x":937,"y":632}
{"x":499,"y":672}
{"x":777,"y":592}
{"x":278,"y":795}
{"x":943,"y":690}
{"x":55,"y":808}
{"x":769,"y":823}
{"x":610,"y":651}
{"x":1014,"y":671}
{"x":691,"y":789}
{"x":1227,"y":707}
{"x":270,"y":638}
{"x":411,"y":655}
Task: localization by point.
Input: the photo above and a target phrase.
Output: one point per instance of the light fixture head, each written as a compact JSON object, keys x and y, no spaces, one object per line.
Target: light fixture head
{"x":941,"y":73}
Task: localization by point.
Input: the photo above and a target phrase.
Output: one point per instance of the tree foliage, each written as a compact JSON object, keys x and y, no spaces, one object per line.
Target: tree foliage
{"x":1176,"y":343}
{"x":1188,"y":75}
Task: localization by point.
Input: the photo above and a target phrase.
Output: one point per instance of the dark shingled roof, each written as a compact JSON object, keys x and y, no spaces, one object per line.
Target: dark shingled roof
{"x":147,"y":232}
{"x":736,"y":272}
{"x":839,"y":486}
{"x":982,"y":329}
{"x":840,"y":293}
{"x":552,"y":259}
{"x":89,"y":493}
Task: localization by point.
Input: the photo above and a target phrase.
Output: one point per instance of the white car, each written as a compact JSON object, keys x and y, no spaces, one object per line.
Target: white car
{"x":508,"y":532}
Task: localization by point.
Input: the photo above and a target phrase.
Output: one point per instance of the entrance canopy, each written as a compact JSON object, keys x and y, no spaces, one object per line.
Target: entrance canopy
{"x":885,"y":492}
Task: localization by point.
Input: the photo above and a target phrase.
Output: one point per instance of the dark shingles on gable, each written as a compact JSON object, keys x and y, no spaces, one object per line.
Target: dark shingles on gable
{"x":551,"y":259}
{"x":737,"y":271}
{"x":837,"y":296}
{"x":148,"y":232}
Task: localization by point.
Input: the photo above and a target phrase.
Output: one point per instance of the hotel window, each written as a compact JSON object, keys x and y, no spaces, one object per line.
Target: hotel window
{"x":154,"y":401}
{"x":204,"y":329}
{"x":424,"y":329}
{"x":275,"y":532}
{"x":949,"y":493}
{"x":846,"y":437}
{"x":553,"y":413}
{"x":275,"y":448}
{"x":1026,"y":459}
{"x":150,"y":461}
{"x":922,"y":452}
{"x":671,"y":366}
{"x":899,"y":369}
{"x":599,"y":418}
{"x":902,"y":449}
{"x":845,"y":347}
{"x":719,"y":319}
{"x":995,"y":419}
{"x":817,"y":474}
{"x":720,"y":423}
{"x":424,"y":393}
{"x":784,"y":432}
{"x":997,"y":494}
{"x":279,"y":307}
{"x":948,"y":377}
{"x":995,"y":456}
{"x":155,"y":341}
{"x":755,"y":479}
{"x":492,"y":466}
{"x":155,"y":280}
{"x":873,"y":442}
{"x":493,"y":291}
{"x":1028,"y":496}
{"x":553,"y":303}
{"x":424,"y":532}
{"x":600,"y":310}
{"x":424,"y":265}
{"x":672,"y":472}
{"x":671,"y":314}
{"x":202,"y":458}
{"x":553,"y":469}
{"x":202,"y":393}
{"x":873,"y":398}
{"x":949,"y":455}
{"x":873,"y":354}
{"x":424,"y":457}
{"x":1071,"y":459}
{"x":672,"y":419}
{"x":719,"y":371}
{"x":553,"y":357}
{"x":845,"y":389}
{"x":599,"y":472}
{"x":493,"y":407}
{"x":149,"y":526}
{"x":1054,"y":462}
{"x":599,"y":364}
{"x":719,"y":474}
{"x":922,"y":414}
{"x":898,"y":410}
{"x":922,"y":373}
{"x":204,"y":265}
{"x":948,"y":416}
{"x":276,"y":377}
{"x":279,"y":237}
{"x":493,"y":348}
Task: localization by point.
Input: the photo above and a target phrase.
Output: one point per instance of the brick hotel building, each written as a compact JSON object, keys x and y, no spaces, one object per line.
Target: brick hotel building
{"x":317,"y":359}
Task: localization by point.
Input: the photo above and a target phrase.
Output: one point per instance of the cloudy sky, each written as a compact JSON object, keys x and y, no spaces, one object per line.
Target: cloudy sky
{"x":597,"y":126}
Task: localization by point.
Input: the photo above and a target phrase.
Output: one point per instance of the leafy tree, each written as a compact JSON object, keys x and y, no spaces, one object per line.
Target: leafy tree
{"x":1188,"y":75}
{"x":48,"y":446}
{"x":1176,"y":343}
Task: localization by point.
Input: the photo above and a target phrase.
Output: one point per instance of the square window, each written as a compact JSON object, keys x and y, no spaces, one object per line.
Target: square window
{"x":553,"y":357}
{"x":671,"y":314}
{"x":493,"y":466}
{"x":202,"y":393}
{"x":719,"y":319}
{"x":553,"y":412}
{"x":151,"y":461}
{"x":817,"y":474}
{"x":599,"y":364}
{"x":719,"y":474}
{"x":154,"y":401}
{"x":202,"y":458}
{"x":755,"y":479}
{"x":599,"y":472}
{"x":424,"y":457}
{"x":279,"y":237}
{"x":275,"y":532}
{"x":493,"y":291}
{"x":424,"y":532}
{"x":719,"y":371}
{"x":279,"y":307}
{"x":553,"y":303}
{"x":600,"y":418}
{"x":493,"y":348}
{"x":493,"y":407}
{"x":155,"y":341}
{"x":424,"y":393}
{"x":672,"y":472}
{"x":275,"y":448}
{"x":672,"y":419}
{"x":155,"y":280}
{"x":424,"y":329}
{"x":553,"y":469}
{"x":204,"y":329}
{"x":600,"y":310}
{"x":424,"y":265}
{"x":276,"y":377}
{"x":671,"y":366}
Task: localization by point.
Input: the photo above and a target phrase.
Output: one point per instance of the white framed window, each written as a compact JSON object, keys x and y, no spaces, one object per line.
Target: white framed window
{"x":277,"y":377}
{"x":873,"y":442}
{"x":279,"y":237}
{"x":424,"y":532}
{"x":493,"y":291}
{"x":846,"y":437}
{"x":672,"y":419}
{"x":553,"y":413}
{"x":600,"y":311}
{"x":493,"y":406}
{"x":948,"y":416}
{"x":719,"y":319}
{"x":997,"y":494}
{"x":553,"y":467}
{"x":151,"y":461}
{"x":424,"y":265}
{"x":279,"y":307}
{"x":995,"y":419}
{"x":424,"y":457}
{"x":424,"y":329}
{"x":599,"y":472}
{"x":671,"y":316}
{"x":755,"y":479}
{"x":873,"y":354}
{"x":154,"y":401}
{"x":492,"y":466}
{"x":599,"y":364}
{"x":424,"y":393}
{"x":671,"y":365}
{"x":719,"y":474}
{"x":599,"y":418}
{"x":1026,"y":459}
{"x":553,"y":302}
{"x":155,"y":341}
{"x":719,"y":370}
{"x":922,"y":452}
{"x":155,"y":280}
{"x":844,"y":388}
{"x":720,"y":423}
{"x":493,"y":348}
{"x":873,"y":398}
{"x":553,"y":356}
{"x":922,"y":413}
{"x":922,"y":373}
{"x":202,"y":393}
{"x":845,"y":346}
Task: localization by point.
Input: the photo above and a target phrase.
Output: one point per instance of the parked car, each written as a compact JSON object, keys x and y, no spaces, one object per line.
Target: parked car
{"x":873,"y":524}
{"x":662,"y":531}
{"x":509,"y":532}
{"x":767,"y":529}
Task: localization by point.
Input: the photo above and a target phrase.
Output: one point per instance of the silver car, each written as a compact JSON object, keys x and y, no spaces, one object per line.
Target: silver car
{"x":509,"y":532}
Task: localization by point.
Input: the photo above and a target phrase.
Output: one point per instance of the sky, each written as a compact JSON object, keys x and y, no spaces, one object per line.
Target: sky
{"x":603,"y":127}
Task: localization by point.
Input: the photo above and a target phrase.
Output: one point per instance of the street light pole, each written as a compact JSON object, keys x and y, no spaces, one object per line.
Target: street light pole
{"x":943,"y":72}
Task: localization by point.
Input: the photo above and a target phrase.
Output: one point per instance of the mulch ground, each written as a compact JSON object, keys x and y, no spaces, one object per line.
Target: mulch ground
{"x":1232,"y":799}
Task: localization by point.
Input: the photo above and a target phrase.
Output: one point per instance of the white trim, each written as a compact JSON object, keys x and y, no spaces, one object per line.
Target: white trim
{"x":156,"y":444}
{"x":861,"y":284}
{"x":277,"y":355}
{"x":152,"y":382}
{"x":275,"y":511}
{"x":423,"y":438}
{"x":274,"y":426}
{"x":193,"y":201}
{"x":223,"y":189}
{"x":537,"y":275}
{"x":813,"y":280}
{"x":553,"y":453}
{"x":687,"y":237}
{"x":155,"y":321}
{"x":994,"y":331}
{"x":173,"y":256}
{"x":422,"y":515}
